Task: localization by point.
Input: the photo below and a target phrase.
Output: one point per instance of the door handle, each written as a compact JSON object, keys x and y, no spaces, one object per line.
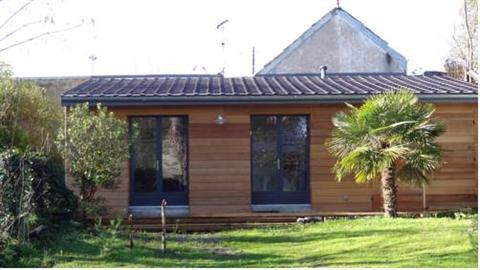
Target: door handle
{"x":278,"y":164}
{"x":158,"y":165}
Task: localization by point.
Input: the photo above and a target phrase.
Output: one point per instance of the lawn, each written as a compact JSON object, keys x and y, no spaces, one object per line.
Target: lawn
{"x":364,"y":242}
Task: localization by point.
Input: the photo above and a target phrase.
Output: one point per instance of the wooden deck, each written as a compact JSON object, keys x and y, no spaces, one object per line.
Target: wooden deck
{"x":256,"y":220}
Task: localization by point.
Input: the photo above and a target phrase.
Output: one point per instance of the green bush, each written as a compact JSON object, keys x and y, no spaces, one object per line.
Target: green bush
{"x":95,"y":144}
{"x":14,"y":252}
{"x":29,"y":118}
{"x":92,"y":208}
{"x":16,"y":195}
{"x":32,"y":191}
{"x":52,"y":199}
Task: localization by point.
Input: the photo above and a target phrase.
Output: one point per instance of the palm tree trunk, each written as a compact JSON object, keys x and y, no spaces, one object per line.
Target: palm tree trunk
{"x":389,"y":192}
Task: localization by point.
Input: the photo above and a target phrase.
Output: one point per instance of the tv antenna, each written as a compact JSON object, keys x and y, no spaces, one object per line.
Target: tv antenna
{"x":93,"y":57}
{"x":221,"y":28}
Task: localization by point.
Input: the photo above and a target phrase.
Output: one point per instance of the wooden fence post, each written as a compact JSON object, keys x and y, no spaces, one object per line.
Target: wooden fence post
{"x":164,"y":230}
{"x":130,"y":221}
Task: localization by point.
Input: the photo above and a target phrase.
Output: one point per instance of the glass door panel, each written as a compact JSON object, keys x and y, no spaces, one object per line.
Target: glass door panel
{"x":264,"y":153}
{"x":159,"y":167}
{"x":293,"y":154}
{"x":280,"y":159}
{"x":144,"y":154}
{"x":174,"y":154}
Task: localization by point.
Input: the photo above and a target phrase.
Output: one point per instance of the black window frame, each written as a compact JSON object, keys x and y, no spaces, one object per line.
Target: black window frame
{"x":282,"y":197}
{"x":155,"y":199}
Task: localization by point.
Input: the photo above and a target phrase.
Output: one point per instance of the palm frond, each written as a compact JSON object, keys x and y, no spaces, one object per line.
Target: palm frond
{"x":394,"y":125}
{"x":412,"y":176}
{"x":386,"y":129}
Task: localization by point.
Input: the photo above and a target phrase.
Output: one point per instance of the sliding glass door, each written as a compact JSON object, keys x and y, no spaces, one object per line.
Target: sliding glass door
{"x":158,"y":161}
{"x":280,"y":170}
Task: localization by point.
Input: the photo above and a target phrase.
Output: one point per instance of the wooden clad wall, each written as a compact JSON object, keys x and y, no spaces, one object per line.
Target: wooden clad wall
{"x":219,"y":162}
{"x":455,"y":185}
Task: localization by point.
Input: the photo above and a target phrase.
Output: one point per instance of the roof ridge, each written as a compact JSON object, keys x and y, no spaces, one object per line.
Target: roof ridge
{"x":336,"y":74}
{"x":156,"y":75}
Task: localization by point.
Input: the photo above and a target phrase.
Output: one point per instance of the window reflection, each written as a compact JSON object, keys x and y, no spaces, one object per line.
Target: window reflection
{"x":174,"y":154}
{"x":279,"y":153}
{"x":264,"y":156}
{"x":172,"y":160}
{"x":144,"y":155}
{"x":294,"y":152}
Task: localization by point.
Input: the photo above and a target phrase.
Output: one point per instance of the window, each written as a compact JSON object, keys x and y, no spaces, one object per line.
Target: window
{"x":159,"y":160}
{"x":280,"y":159}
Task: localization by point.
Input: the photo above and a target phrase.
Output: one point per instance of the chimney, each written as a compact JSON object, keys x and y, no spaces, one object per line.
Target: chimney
{"x":323,"y":72}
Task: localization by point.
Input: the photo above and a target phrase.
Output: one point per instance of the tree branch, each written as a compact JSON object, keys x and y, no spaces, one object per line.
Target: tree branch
{"x":469,"y":35}
{"x":459,"y":48}
{"x":15,"y":13}
{"x":19,"y":29}
{"x":49,"y":33}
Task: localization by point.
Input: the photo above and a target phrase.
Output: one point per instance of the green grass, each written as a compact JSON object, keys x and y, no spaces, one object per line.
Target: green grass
{"x":365,"y":242}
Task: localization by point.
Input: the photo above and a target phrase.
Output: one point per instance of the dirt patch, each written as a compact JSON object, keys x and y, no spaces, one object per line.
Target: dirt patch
{"x":198,"y":238}
{"x":207,"y":243}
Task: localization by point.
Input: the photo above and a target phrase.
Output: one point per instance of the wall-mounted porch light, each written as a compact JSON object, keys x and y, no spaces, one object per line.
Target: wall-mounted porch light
{"x":220,"y":119}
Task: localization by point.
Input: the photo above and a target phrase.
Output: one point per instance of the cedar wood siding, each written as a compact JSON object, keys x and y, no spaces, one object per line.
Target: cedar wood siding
{"x":219,"y":162}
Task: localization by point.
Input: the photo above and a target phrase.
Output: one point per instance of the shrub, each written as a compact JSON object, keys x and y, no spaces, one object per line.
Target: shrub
{"x":95,"y":145}
{"x":52,"y":199}
{"x":108,"y":234}
{"x":32,"y":190}
{"x":14,"y":252}
{"x":29,"y":118}
{"x":16,"y":195}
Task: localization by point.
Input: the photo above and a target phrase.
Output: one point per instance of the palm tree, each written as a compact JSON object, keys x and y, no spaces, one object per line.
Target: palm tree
{"x":391,"y":137}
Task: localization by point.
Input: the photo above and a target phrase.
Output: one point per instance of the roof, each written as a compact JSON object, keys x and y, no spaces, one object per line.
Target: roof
{"x":265,"y":89}
{"x":336,"y":12}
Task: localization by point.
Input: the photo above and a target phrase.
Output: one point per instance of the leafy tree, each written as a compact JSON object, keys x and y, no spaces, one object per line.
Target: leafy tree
{"x":32,"y":187}
{"x":95,"y":144}
{"x":391,"y":137}
{"x":29,"y":118}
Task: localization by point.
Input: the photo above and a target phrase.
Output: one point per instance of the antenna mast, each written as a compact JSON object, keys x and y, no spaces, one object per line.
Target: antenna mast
{"x":92,"y":58}
{"x":253,"y":60}
{"x":221,"y":27}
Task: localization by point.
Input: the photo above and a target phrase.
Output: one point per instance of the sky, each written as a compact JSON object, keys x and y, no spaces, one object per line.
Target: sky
{"x":181,"y":36}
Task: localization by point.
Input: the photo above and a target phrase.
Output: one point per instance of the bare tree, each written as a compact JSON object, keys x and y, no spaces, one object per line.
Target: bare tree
{"x":19,"y":26}
{"x":462,"y":61}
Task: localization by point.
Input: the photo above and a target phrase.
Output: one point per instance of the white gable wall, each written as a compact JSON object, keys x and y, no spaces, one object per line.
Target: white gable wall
{"x":338,"y":45}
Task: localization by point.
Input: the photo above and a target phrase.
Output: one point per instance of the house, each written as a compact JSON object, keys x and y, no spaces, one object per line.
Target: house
{"x":343,"y":44}
{"x":248,"y":146}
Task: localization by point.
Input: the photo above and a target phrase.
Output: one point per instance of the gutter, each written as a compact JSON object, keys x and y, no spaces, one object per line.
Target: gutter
{"x":250,"y":100}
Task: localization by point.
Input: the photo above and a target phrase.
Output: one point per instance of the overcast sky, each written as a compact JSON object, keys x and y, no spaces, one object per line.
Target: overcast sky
{"x":151,"y":37}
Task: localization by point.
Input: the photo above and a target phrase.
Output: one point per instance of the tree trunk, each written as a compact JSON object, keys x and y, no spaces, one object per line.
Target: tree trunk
{"x":389,"y":192}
